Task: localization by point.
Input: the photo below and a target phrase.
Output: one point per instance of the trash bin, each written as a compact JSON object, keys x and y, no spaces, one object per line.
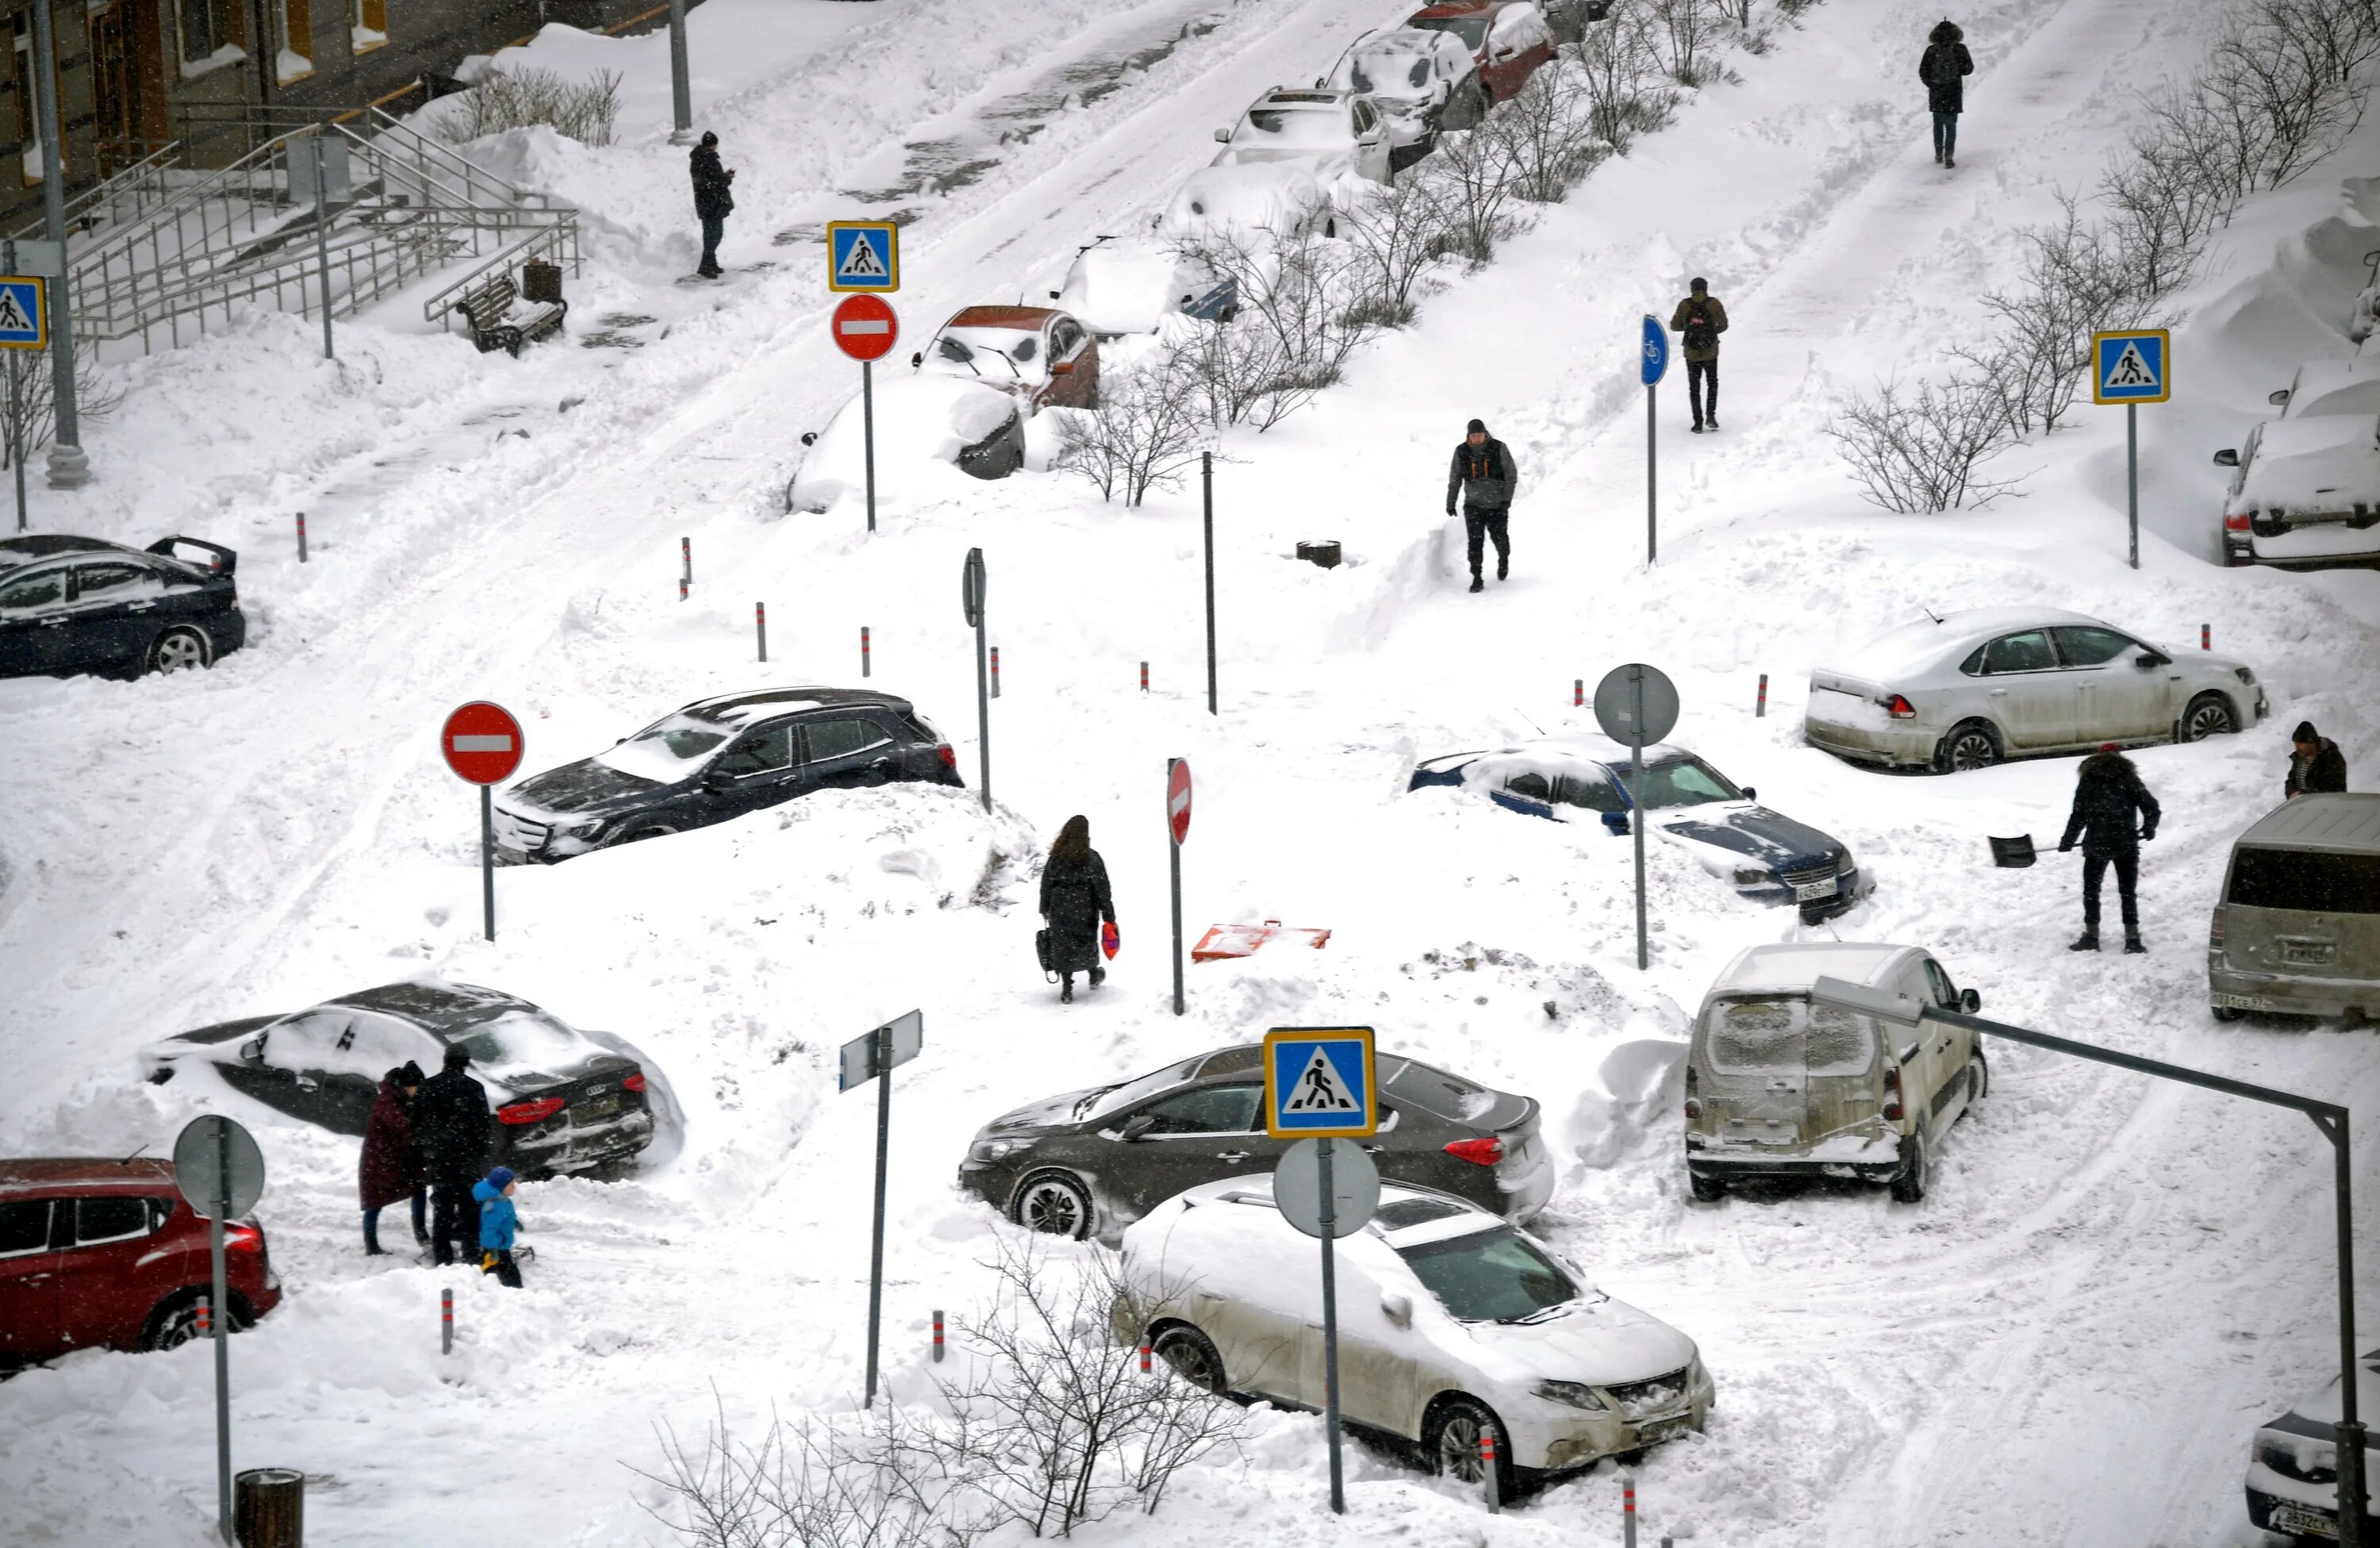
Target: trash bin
{"x":268,"y":1508}
{"x":540,"y":281}
{"x":1323,"y":553}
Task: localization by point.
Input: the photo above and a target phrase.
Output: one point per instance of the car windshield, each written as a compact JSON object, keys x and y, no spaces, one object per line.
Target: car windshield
{"x":1319,"y":128}
{"x":518,"y":1038}
{"x":2305,"y":881}
{"x":1780,"y":1035}
{"x":1472,"y":31}
{"x":999,"y":352}
{"x":1388,"y":68}
{"x":1099,"y":1104}
{"x":1685,"y":782}
{"x":1490,"y":1276}
{"x":668,"y":750}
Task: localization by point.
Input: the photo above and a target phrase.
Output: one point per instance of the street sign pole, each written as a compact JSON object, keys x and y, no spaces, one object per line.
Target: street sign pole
{"x":868,"y":432}
{"x":883,"y":1154}
{"x":1636,"y":704}
{"x":220,"y":1312}
{"x":680,"y":92}
{"x":488,"y":856}
{"x":321,"y":151}
{"x":1329,"y":1327}
{"x":2131,"y":366}
{"x":483,"y":743}
{"x":1173,"y":846}
{"x":220,"y":1173}
{"x":972,"y":585}
{"x":70,"y":468}
{"x":1207,"y":477}
{"x":2133,"y":475}
{"x":16,"y":407}
{"x":1652,"y":363}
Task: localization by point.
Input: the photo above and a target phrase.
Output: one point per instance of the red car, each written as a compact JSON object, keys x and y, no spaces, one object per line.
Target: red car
{"x":1508,"y":39}
{"x":106,"y":1253}
{"x":1041,"y":355}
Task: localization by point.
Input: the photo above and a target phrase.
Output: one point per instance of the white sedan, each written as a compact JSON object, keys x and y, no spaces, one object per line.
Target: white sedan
{"x":1421,"y":81}
{"x":1451,"y":1321}
{"x":2306,"y":486}
{"x":1334,"y":134}
{"x":920,"y":420}
{"x":1970,"y":689}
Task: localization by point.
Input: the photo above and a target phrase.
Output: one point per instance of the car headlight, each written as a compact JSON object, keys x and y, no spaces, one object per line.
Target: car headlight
{"x":582,"y":827}
{"x":994,"y":1150}
{"x":1570,"y":1395}
{"x":1751,"y":877}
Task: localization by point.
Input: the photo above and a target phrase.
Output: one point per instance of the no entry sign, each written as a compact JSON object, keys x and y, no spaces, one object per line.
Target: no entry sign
{"x":1177,"y":798}
{"x":483,"y":743}
{"x":865,"y":328}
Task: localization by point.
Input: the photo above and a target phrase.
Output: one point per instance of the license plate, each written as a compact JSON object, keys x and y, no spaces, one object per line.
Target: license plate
{"x":1810,"y":892}
{"x":2308,"y":954}
{"x":1662,"y":1429}
{"x":2301,"y":1522}
{"x":2239,"y":1002}
{"x":599,"y":1107}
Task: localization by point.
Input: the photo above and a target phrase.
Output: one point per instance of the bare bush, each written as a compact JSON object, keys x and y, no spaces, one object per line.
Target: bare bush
{"x":2076,"y":282}
{"x":806,"y":1485}
{"x":1620,"y":70}
{"x":1549,"y":135}
{"x":587,"y":111}
{"x":1469,"y":175}
{"x":1684,"y":29}
{"x":1924,"y":451}
{"x":1146,"y":432}
{"x":34,"y":419}
{"x":2163,"y":205}
{"x":1300,"y":317}
{"x":1395,"y":238}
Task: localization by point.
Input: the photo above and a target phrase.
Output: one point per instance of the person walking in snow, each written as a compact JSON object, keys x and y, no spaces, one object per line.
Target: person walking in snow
{"x":2108,"y":800}
{"x":713,"y":202}
{"x":1701,"y":319}
{"x":1944,"y":69}
{"x":499,"y":1222}
{"x":391,"y":1165}
{"x":2315,"y":763}
{"x":1074,"y":899}
{"x":1483,"y":473}
{"x":450,"y":1124}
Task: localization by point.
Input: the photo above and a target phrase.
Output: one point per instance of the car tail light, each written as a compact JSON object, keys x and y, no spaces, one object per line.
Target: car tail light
{"x":243,"y":1239}
{"x":1693,"y":1101}
{"x":1486,"y":1152}
{"x":950,"y":758}
{"x":634,"y":1082}
{"x":2236,"y":522}
{"x":1900,"y":708}
{"x":1892,"y":1095}
{"x":2215,"y":931}
{"x":536,"y":1109}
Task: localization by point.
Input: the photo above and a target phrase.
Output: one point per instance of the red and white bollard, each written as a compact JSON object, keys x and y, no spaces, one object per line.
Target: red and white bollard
{"x":2205,"y":631}
{"x":863,"y":650}
{"x":937,"y":1336}
{"x":1760,"y":704}
{"x":1144,"y":677}
{"x":447,"y":1322}
{"x":686,"y":557}
{"x":206,"y":1319}
{"x":301,"y":537}
{"x":1487,"y":1470}
{"x":1144,"y":1366}
{"x":1578,"y":693}
{"x":1628,"y":1510}
{"x":760,"y":627}
{"x":995,"y":671}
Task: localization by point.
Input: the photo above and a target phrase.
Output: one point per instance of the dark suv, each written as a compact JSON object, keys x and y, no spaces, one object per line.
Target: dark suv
{"x":106,"y":1253}
{"x":716,"y":759}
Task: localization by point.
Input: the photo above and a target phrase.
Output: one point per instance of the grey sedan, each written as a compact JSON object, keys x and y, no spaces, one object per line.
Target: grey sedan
{"x":1098,"y":1160}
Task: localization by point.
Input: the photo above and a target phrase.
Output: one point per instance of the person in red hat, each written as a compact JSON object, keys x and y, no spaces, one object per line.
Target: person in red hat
{"x":2114,"y":814}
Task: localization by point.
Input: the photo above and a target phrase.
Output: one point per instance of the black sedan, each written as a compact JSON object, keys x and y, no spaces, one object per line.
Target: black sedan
{"x":563,"y":1102}
{"x":716,"y":759}
{"x":83,"y":604}
{"x":1101,"y":1159}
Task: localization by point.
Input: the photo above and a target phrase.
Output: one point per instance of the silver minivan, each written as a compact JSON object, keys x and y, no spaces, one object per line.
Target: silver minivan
{"x":1778,"y":1087}
{"x":2298,"y":931}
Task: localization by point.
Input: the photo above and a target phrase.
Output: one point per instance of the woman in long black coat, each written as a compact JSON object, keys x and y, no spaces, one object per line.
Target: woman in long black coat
{"x":1074,"y":898}
{"x":390,"y":1169}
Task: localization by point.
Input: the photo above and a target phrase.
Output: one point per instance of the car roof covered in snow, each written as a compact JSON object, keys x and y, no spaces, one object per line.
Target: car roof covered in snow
{"x":2329,"y":820}
{"x":49,"y":545}
{"x":1796,"y":964}
{"x":140,"y":1174}
{"x":2325,"y":459}
{"x":734,"y":709}
{"x":2323,"y":388}
{"x":1406,"y":1212}
{"x":1027,"y":319}
{"x":1584,"y":747}
{"x":435,"y":1007}
{"x":1923,"y":641}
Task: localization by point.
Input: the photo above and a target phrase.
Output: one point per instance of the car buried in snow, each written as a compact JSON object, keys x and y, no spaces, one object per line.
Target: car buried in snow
{"x":1336,"y":135}
{"x":1422,"y":82}
{"x":969,"y":424}
{"x":1508,"y":40}
{"x":1452,"y":1323}
{"x":2305,"y":487}
{"x":1091,"y":1162}
{"x":73,"y":605}
{"x":1970,"y":689}
{"x":1764,"y":855}
{"x":563,"y":1099}
{"x":2292,"y":1483}
{"x":716,"y":759}
{"x":1128,"y":285}
{"x":1041,"y":356}
{"x":2298,"y":931}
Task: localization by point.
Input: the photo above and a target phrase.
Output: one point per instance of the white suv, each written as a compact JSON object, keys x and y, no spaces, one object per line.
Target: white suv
{"x":2306,"y":486}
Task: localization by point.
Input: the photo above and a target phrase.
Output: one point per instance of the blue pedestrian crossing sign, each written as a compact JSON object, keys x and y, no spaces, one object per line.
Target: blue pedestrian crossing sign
{"x":2131,"y":366}
{"x":24,"y":319}
{"x":863,"y":255}
{"x":1319,"y":1083}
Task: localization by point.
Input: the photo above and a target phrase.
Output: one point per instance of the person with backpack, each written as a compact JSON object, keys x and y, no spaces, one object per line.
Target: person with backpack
{"x":713,"y":202}
{"x":1074,"y":899}
{"x":1944,"y":69}
{"x":1484,"y":474}
{"x":1701,"y":319}
{"x":2109,"y":800}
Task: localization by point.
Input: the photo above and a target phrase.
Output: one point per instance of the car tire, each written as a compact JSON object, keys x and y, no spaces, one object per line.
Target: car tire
{"x":1916,"y":1174}
{"x":175,"y":1321}
{"x":635,"y":833}
{"x":1979,"y":1080}
{"x":1707,"y":1189}
{"x":180,"y":648}
{"x":1451,"y":1444}
{"x":1054,"y":1204}
{"x":2227,"y":1013}
{"x":1972,"y":744}
{"x":2210,"y":714}
{"x":1194,"y":1357}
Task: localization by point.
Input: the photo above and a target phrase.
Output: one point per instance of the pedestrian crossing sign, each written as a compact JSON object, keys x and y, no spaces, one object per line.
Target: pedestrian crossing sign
{"x":2130,"y":366}
{"x":24,"y":317}
{"x":863,"y":255}
{"x":1319,"y":1083}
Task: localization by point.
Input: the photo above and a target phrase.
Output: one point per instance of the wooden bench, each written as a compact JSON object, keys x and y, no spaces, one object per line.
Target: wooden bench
{"x":500,"y":319}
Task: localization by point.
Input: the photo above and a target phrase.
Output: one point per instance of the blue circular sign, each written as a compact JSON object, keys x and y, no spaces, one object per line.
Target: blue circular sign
{"x":1656,"y":363}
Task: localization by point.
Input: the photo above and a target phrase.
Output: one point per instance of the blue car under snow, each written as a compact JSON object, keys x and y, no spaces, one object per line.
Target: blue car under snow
{"x":1766,"y":856}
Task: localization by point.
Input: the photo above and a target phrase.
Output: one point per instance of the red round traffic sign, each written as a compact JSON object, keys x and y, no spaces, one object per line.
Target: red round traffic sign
{"x":865,"y":328}
{"x":483,"y":743}
{"x":1177,"y":798}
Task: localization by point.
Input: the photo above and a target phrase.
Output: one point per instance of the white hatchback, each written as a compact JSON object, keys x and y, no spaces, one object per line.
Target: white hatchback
{"x":1970,"y":689}
{"x":1451,"y":1323}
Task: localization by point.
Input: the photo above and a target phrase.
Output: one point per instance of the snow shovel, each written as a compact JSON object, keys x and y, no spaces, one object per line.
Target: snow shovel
{"x":2013,"y":853}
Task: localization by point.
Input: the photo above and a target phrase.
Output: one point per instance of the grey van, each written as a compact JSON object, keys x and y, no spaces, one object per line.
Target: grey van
{"x":2298,"y":931}
{"x":1778,"y":1087}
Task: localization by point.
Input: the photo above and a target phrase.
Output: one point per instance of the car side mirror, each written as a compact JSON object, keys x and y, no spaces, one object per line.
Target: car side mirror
{"x":1618,"y":823}
{"x":1053,"y":295}
{"x":253,"y":1051}
{"x":2279,"y":398}
{"x":2147,"y":662}
{"x":2227,"y":457}
{"x":1224,"y":135}
{"x":917,"y":359}
{"x":716,"y":779}
{"x":1970,"y":1002}
{"x":1751,"y":793}
{"x":1136,"y":1125}
{"x":809,"y":437}
{"x":1397,"y":1308}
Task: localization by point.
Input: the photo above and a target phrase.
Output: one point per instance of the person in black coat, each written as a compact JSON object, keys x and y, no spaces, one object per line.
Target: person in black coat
{"x":1074,"y":898}
{"x":713,"y":203}
{"x":2114,"y":815}
{"x":450,"y":1125}
{"x":1483,"y":474}
{"x":1944,"y":69}
{"x":2315,"y":763}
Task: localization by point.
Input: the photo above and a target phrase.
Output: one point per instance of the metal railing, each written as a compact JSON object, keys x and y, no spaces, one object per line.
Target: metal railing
{"x":143,"y":186}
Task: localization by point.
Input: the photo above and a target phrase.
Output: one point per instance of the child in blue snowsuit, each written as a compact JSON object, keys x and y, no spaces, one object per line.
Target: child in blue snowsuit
{"x":498,"y":1222}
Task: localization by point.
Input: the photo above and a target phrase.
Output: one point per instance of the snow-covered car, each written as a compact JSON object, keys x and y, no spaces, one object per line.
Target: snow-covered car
{"x":2298,"y":931}
{"x":1508,"y":40}
{"x":1422,"y":81}
{"x":1777,"y":1085}
{"x":1570,"y":18}
{"x":84,"y":604}
{"x":1765,"y":856}
{"x":2292,"y":1483}
{"x":2349,"y":387}
{"x":1451,"y":1321}
{"x":1251,"y":199}
{"x":1972,"y":688}
{"x":1334,"y":134}
{"x":1128,"y":284}
{"x":563,"y":1099}
{"x":1042,"y":356}
{"x":974,"y":426}
{"x":716,"y":759}
{"x":2305,"y":492}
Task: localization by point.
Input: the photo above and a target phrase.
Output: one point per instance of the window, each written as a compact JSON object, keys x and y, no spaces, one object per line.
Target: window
{"x":1436,"y":1091}
{"x":2028,"y":651}
{"x":1207,"y":1110}
{"x":1099,"y":1104}
{"x":1687,"y":782}
{"x":106,"y":1219}
{"x":212,"y":32}
{"x":1471,"y":30}
{"x":1026,"y":347}
{"x":1593,"y":792}
{"x":117,"y":580}
{"x":28,"y":138}
{"x":1939,"y":983}
{"x":293,"y":25}
{"x":761,"y":751}
{"x":33,"y":591}
{"x":24,"y":1226}
{"x":830,"y":739}
{"x":1064,"y":339}
{"x":1755,"y":1037}
{"x":1531,"y":786}
{"x":370,"y":30}
{"x":1489,"y":1275}
{"x":2307,"y":881}
{"x":2092,"y":647}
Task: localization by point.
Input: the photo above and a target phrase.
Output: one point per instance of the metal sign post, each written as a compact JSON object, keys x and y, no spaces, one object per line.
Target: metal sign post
{"x":219,"y":1170}
{"x":865,"y":329}
{"x":1177,"y":822}
{"x":1319,"y":1086}
{"x":70,"y":468}
{"x":483,"y":743}
{"x":972,"y":582}
{"x":24,"y":324}
{"x":680,"y":92}
{"x":1651,"y":368}
{"x":1206,"y":478}
{"x":1636,"y":704}
{"x":873,"y":1058}
{"x":2131,"y":367}
{"x":327,"y":160}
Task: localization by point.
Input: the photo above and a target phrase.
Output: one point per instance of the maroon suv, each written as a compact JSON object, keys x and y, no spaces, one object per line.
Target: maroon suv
{"x":107,"y":1253}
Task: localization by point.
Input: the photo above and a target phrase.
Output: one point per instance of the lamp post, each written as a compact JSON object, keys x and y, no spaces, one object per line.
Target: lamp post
{"x":681,"y":94}
{"x":2347,"y":1440}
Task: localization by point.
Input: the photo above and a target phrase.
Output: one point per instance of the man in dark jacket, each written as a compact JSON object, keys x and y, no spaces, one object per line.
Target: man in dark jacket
{"x":2315,"y":763}
{"x":2108,"y":800}
{"x":1944,"y":69}
{"x":1484,"y":474}
{"x":713,"y":203}
{"x":450,"y":1124}
{"x":1701,"y":319}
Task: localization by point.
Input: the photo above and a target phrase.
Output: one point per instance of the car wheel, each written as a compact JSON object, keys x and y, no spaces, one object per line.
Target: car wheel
{"x":1979,"y":1080}
{"x":175,"y":1321}
{"x":1054,"y":1204}
{"x":1916,"y":1172}
{"x":179,"y":648}
{"x":1194,"y":1357}
{"x":2229,"y":1012}
{"x":2209,"y":715}
{"x":637,"y":832}
{"x":1972,"y":744}
{"x":1707,"y":1189}
{"x":1454,"y":1444}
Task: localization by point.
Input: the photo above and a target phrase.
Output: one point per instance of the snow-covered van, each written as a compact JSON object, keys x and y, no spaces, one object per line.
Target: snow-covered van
{"x":1777,"y":1085}
{"x":2298,"y":931}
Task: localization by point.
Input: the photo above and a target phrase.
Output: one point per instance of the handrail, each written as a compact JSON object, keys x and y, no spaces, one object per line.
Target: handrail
{"x":106,"y":188}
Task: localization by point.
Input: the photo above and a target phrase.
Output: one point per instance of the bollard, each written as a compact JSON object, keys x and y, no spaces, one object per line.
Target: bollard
{"x":1488,"y":1470}
{"x":1628,"y":1509}
{"x":447,"y":1322}
{"x":1144,"y":677}
{"x":1760,"y":704}
{"x":681,"y":588}
{"x":1143,"y":1357}
{"x":685,"y":556}
{"x":937,"y":1336}
{"x":2205,"y":631}
{"x":995,"y":671}
{"x":301,"y":537}
{"x":206,"y":1319}
{"x":1578,"y":693}
{"x":863,"y":650}
{"x":760,"y":627}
